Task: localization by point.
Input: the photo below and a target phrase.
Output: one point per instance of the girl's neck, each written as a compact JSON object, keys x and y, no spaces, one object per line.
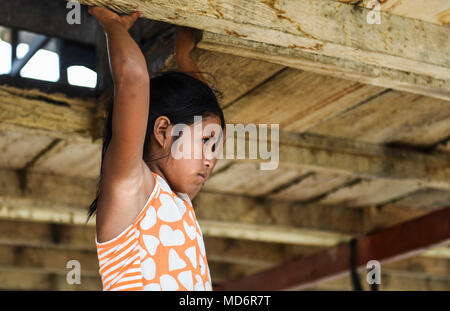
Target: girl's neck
{"x":154,"y":168}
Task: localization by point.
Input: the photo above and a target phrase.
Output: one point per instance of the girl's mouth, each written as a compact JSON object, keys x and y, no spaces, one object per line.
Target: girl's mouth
{"x":202,"y":177}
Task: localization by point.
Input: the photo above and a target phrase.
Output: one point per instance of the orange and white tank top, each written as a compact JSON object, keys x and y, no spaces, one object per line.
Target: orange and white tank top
{"x":162,"y":249}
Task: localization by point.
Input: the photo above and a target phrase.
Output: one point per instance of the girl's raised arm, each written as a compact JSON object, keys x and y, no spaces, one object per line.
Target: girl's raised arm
{"x":123,"y":158}
{"x":184,"y":43}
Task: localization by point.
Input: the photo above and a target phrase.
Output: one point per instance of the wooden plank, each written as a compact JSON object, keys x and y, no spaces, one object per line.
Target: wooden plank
{"x":342,"y":155}
{"x":48,"y":259}
{"x":393,"y":118}
{"x":54,"y":115}
{"x":298,"y":100}
{"x":422,"y":200}
{"x":272,"y":233}
{"x":334,"y":66}
{"x":369,"y":192}
{"x":391,"y":281}
{"x":397,"y":43}
{"x":19,"y":148}
{"x":437,"y":252}
{"x":246,"y":210}
{"x":68,"y":158}
{"x":420,"y":264}
{"x":386,"y":245}
{"x":410,"y":206}
{"x":38,"y":234}
{"x":233,"y":75}
{"x":30,"y":279}
{"x":64,"y":200}
{"x":75,"y":123}
{"x":433,"y":11}
{"x":313,"y":186}
{"x":247,"y":179}
{"x":236,"y":251}
{"x":443,"y":147}
{"x":79,"y":240}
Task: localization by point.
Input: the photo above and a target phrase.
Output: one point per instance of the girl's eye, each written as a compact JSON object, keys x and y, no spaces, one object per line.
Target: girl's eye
{"x":208,"y":138}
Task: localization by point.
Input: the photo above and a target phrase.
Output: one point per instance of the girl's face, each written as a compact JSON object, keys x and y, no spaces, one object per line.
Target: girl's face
{"x":194,"y":154}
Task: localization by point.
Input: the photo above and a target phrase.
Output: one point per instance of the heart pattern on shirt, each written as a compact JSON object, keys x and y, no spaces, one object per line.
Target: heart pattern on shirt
{"x":208,"y":286}
{"x":191,"y":215}
{"x":168,"y":283}
{"x":186,"y":280}
{"x":180,"y":205}
{"x":168,"y":211}
{"x":166,"y":255}
{"x":190,"y":253}
{"x":202,"y":265}
{"x":148,"y":269}
{"x":169,"y":237}
{"x":201,"y":244}
{"x":152,"y":287}
{"x":151,"y":243}
{"x":199,"y":285}
{"x":164,"y":186}
{"x":175,"y":262}
{"x":190,"y":230}
{"x":150,"y":219}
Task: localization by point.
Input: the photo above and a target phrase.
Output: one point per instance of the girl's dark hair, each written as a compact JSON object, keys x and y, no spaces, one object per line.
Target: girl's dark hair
{"x":176,"y":95}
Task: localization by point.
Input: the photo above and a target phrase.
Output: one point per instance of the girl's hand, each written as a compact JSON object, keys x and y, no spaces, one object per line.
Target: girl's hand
{"x":184,"y":41}
{"x":105,"y":16}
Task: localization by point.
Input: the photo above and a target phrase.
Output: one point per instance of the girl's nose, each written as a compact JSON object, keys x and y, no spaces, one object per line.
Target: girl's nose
{"x":208,"y":162}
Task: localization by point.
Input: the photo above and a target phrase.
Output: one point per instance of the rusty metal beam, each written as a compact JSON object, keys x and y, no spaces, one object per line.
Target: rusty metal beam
{"x":385,"y":245}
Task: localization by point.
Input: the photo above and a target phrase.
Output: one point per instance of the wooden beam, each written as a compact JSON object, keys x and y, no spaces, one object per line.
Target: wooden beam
{"x":397,"y":43}
{"x":424,"y":265}
{"x":343,"y":155}
{"x":48,"y":259}
{"x":334,"y":66}
{"x":233,"y":75}
{"x":272,"y":233}
{"x":78,"y":241}
{"x":51,"y":235}
{"x":254,"y":253}
{"x":46,"y":198}
{"x":435,"y":11}
{"x":25,"y":111}
{"x":394,"y":118}
{"x":438,"y":252}
{"x":55,"y":115}
{"x":45,"y":248}
{"x":299,"y":101}
{"x":390,"y":281}
{"x":385,"y":245}
{"x":64,"y":199}
{"x":31,"y":279}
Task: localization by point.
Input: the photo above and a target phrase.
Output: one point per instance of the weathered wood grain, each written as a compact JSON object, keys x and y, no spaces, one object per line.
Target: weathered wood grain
{"x":326,"y":27}
{"x":350,"y":69}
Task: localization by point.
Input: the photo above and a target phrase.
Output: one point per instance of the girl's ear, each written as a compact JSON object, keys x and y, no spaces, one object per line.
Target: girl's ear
{"x":162,"y":131}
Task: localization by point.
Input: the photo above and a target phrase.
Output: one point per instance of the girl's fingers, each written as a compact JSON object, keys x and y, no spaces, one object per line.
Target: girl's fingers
{"x":104,"y":14}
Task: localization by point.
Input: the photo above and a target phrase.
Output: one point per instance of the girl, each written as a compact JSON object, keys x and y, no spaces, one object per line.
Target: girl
{"x":147,"y":235}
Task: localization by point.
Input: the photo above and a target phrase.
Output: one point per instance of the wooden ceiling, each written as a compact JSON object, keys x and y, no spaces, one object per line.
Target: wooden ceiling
{"x":364,"y":143}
